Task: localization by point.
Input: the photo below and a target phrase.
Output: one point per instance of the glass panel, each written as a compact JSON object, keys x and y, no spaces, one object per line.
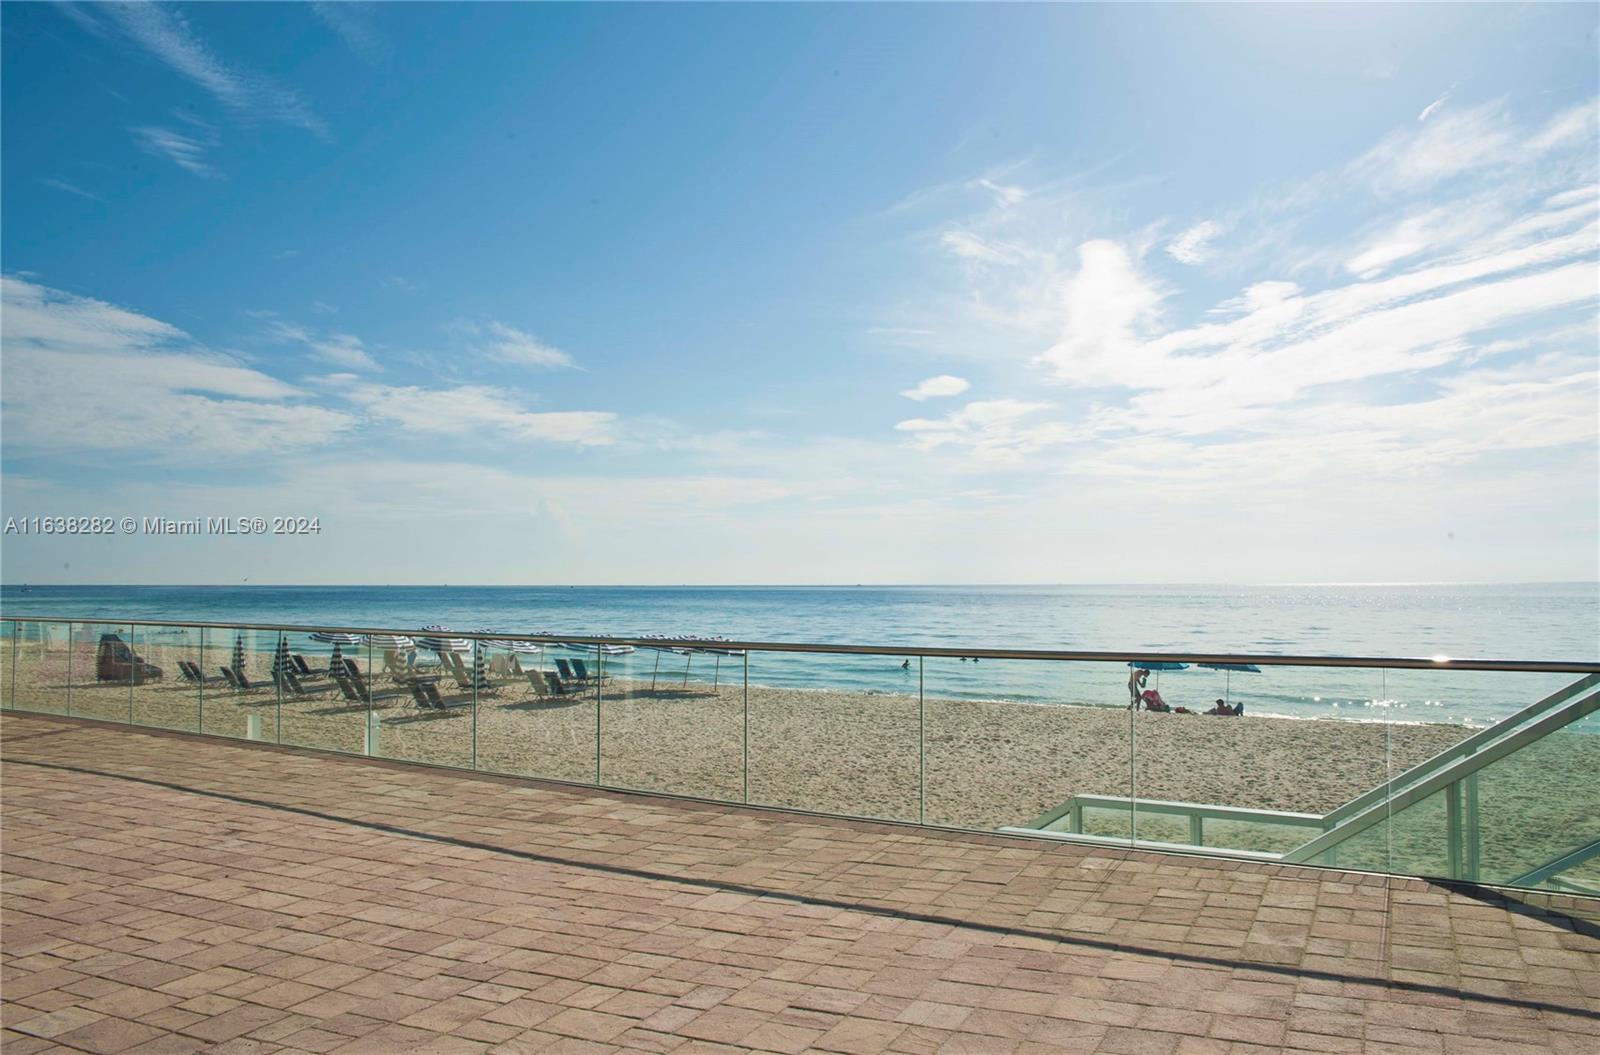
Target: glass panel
{"x":424,"y":698}
{"x":8,"y":651}
{"x":104,"y":667}
{"x":173,"y":700}
{"x":43,"y":654}
{"x":1250,"y":759}
{"x":1538,"y":805}
{"x":534,"y":724}
{"x":1026,"y":743}
{"x":832,"y":733}
{"x":322,"y":705}
{"x":240,"y":699}
{"x":680,"y":731}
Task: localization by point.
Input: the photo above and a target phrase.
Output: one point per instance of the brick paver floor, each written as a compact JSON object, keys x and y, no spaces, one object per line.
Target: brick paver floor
{"x":168,"y":893}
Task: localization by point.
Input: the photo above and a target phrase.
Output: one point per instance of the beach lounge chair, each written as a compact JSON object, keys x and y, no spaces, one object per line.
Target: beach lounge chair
{"x":566,"y":671}
{"x":457,"y":670}
{"x":239,"y":676}
{"x":229,"y":677}
{"x":192,"y":674}
{"x":562,"y":688}
{"x":430,"y":691}
{"x":540,"y":686}
{"x":348,"y":690}
{"x":463,"y":676}
{"x":304,"y":669}
{"x":584,"y":675}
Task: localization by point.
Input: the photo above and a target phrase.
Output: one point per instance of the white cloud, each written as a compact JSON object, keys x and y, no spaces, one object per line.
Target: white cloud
{"x":1429,"y":110}
{"x":81,"y":374}
{"x":167,"y":35}
{"x":71,"y":188}
{"x":995,"y":431}
{"x":970,"y":246}
{"x":351,"y":21}
{"x":1107,"y":305}
{"x":186,"y":151}
{"x":943,"y":385}
{"x":337,"y":349}
{"x":1003,"y":195}
{"x":1190,"y":247}
{"x":507,"y":344}
{"x":470,"y":409}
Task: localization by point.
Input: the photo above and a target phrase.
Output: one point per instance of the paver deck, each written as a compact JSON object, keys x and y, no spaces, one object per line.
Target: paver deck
{"x":169,"y":893}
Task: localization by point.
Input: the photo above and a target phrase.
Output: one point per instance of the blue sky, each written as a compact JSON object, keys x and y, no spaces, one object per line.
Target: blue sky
{"x":534,"y":293}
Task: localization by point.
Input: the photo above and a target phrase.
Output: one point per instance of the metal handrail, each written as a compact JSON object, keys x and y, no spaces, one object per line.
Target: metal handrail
{"x":1386,"y":662}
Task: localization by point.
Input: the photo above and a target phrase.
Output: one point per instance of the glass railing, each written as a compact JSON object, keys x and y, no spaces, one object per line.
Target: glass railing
{"x":1479,"y":771}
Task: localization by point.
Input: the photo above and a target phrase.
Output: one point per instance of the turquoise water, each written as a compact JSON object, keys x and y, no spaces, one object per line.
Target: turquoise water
{"x":1538,"y":621}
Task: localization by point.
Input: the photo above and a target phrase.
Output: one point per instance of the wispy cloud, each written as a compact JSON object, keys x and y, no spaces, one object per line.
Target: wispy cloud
{"x":933,"y":387}
{"x":1191,"y":247}
{"x":186,"y":151}
{"x":82,"y":374}
{"x":343,"y":350}
{"x":167,"y":35}
{"x":1384,"y":346}
{"x":353,"y":23}
{"x":1429,"y":110}
{"x":502,"y":343}
{"x":70,"y":188}
{"x":474,"y":409}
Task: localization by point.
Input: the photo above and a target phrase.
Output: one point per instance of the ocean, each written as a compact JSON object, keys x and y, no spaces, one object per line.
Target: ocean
{"x":1559,"y":621}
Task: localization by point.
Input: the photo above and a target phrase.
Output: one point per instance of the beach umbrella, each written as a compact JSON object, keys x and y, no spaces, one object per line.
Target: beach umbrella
{"x":676,"y":650}
{"x":280,"y":658}
{"x":1228,"y":669}
{"x":1158,"y":664}
{"x":238,"y":651}
{"x":396,"y":642}
{"x":716,"y":671}
{"x":335,"y":637}
{"x":437,"y":643}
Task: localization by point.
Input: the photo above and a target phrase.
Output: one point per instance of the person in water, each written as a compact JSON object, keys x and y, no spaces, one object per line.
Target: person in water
{"x":906,"y":665}
{"x":1136,"y":682}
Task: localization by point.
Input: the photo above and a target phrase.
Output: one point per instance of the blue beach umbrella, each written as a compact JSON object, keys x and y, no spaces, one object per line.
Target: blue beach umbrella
{"x":1229,"y":668}
{"x":1158,"y":664}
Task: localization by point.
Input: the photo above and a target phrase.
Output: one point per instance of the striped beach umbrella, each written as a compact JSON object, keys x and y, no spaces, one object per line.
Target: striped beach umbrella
{"x":238,"y":651}
{"x":280,"y":659}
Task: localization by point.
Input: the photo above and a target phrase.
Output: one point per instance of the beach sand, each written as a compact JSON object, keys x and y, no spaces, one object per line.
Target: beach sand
{"x":975,"y":764}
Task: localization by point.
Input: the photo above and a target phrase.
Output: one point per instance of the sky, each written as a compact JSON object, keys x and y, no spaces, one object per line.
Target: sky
{"x":803,"y":294}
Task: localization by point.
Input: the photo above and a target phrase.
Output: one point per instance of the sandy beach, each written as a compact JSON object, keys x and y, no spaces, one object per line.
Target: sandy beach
{"x":977,"y":764}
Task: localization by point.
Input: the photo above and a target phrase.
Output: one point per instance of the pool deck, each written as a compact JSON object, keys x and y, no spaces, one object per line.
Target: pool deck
{"x":171,"y":893}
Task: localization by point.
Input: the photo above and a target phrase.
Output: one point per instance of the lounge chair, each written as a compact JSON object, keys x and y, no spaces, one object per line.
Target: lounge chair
{"x":584,"y":675}
{"x":463,"y":676}
{"x":566,"y":671}
{"x":431,"y":692}
{"x":347,"y":688}
{"x":192,"y":674}
{"x":239,"y":676}
{"x":562,"y":688}
{"x":540,"y":686}
{"x":304,"y":669}
{"x":228,"y":676}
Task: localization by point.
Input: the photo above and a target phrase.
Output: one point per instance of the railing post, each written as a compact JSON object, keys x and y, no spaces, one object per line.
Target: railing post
{"x":1470,"y":822}
{"x":1197,"y":831}
{"x":1452,"y":827}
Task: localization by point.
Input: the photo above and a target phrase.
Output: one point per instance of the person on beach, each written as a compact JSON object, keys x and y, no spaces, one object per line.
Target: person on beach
{"x":1223,"y":710}
{"x":1153,"y":702}
{"x":1136,"y":682}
